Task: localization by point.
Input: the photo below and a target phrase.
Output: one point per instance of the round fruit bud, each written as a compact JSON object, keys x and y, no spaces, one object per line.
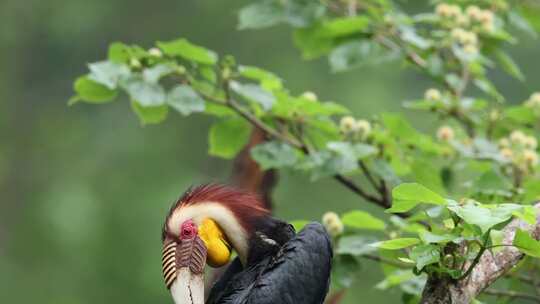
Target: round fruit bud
{"x":347,"y":124}
{"x":135,"y":63}
{"x":530,"y":142}
{"x":309,"y":96}
{"x":457,"y":33}
{"x":155,"y":52}
{"x":518,"y":137}
{"x":332,"y":223}
{"x":530,"y":157}
{"x":329,"y":218}
{"x":473,"y":12}
{"x":432,"y":94}
{"x":486,"y":16}
{"x":363,"y":127}
{"x":445,"y":133}
{"x":443,"y":10}
{"x":507,"y":153}
{"x":335,"y":229}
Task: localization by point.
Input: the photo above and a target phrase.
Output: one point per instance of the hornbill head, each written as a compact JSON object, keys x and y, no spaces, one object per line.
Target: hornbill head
{"x":202,"y":227}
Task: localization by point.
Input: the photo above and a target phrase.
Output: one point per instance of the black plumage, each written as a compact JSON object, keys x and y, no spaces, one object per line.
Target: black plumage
{"x":283,"y":267}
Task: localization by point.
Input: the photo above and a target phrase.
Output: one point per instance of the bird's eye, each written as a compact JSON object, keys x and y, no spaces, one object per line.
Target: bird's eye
{"x":189,"y":230}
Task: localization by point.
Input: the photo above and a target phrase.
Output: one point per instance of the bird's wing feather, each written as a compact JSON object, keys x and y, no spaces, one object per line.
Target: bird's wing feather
{"x":298,"y":274}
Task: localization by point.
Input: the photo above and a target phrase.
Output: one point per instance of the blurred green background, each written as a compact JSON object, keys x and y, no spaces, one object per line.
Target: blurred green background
{"x":84,"y":189}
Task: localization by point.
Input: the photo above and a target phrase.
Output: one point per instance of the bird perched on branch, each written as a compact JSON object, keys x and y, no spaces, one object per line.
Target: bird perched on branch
{"x":274,"y":264}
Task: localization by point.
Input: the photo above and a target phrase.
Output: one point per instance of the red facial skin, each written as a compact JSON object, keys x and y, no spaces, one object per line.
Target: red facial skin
{"x":188,"y":230}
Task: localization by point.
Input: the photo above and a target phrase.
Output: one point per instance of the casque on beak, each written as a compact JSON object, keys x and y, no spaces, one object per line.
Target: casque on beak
{"x":184,"y":257}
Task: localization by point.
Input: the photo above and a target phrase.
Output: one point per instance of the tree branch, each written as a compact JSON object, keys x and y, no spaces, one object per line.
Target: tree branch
{"x":490,"y":267}
{"x":273,"y":133}
{"x":511,"y":294}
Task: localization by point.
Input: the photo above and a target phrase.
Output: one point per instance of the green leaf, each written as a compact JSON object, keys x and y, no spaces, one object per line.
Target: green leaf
{"x":154,"y":74}
{"x":228,"y":137}
{"x":425,"y":255}
{"x":476,"y":214}
{"x":508,"y":64}
{"x":218,"y":110}
{"x":409,"y":34}
{"x":430,"y":237}
{"x":93,"y":92}
{"x":428,"y":174}
{"x":254,"y":93}
{"x":185,"y":100}
{"x":108,"y":73}
{"x":299,"y":224}
{"x":362,"y":220}
{"x":520,"y":114}
{"x":526,"y":244}
{"x":259,"y":15}
{"x":145,"y":93}
{"x":396,"y":278}
{"x":311,"y":43}
{"x":289,"y":107}
{"x":189,"y":51}
{"x":302,"y":13}
{"x":341,"y":157}
{"x":208,"y":73}
{"x":352,"y":151}
{"x":358,"y":53}
{"x":408,"y":195}
{"x":530,"y":13}
{"x":519,"y":22}
{"x":274,"y":154}
{"x":527,"y":214}
{"x":355,"y":245}
{"x":396,"y":244}
{"x":151,"y":114}
{"x":267,"y":79}
{"x":344,"y":270}
{"x":531,"y":189}
{"x":488,"y":88}
{"x":119,"y":52}
{"x":344,"y":26}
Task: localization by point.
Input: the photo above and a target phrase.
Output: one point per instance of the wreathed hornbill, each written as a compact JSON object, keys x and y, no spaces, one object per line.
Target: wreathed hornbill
{"x":274,"y":264}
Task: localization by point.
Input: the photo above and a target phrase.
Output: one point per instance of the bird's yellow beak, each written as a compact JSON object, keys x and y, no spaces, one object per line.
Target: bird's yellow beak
{"x":218,"y":249}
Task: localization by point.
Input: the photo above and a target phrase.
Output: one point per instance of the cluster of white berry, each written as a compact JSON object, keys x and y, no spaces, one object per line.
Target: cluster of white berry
{"x":466,"y":24}
{"x":332,"y":223}
{"x":350,"y":126}
{"x":520,"y":149}
{"x":473,"y":16}
{"x":467,"y":40}
{"x":533,"y":101}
